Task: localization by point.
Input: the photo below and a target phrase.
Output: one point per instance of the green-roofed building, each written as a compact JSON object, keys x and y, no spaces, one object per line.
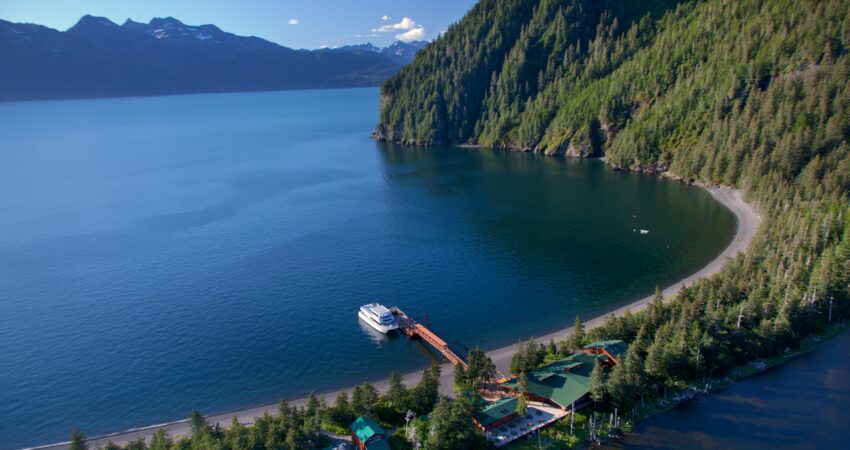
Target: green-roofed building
{"x":564,"y":383}
{"x":366,"y":434}
{"x":496,"y":413}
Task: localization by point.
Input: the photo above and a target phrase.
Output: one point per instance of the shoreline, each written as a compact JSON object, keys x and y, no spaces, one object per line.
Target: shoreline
{"x":748,"y":221}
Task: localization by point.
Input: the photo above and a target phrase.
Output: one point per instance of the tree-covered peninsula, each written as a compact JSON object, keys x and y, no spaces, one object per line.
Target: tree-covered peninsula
{"x":751,"y":94}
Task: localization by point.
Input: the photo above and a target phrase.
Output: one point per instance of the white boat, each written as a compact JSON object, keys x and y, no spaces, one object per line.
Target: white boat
{"x":378,"y":317}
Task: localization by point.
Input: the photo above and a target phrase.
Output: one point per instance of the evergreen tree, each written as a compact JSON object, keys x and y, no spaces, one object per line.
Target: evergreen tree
{"x":449,"y":425}
{"x":426,"y":393}
{"x":396,"y":395}
{"x":161,"y":441}
{"x":618,"y":387}
{"x":461,"y":379}
{"x":341,"y":413}
{"x":577,"y":339}
{"x":197,"y":423}
{"x":370,"y":399}
{"x":313,"y":405}
{"x":522,"y":400}
{"x":597,"y":384}
{"x":78,"y":440}
{"x":136,"y":444}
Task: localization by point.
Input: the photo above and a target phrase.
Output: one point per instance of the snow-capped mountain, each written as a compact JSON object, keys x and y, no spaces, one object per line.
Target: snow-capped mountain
{"x":99,"y":58}
{"x":401,"y":52}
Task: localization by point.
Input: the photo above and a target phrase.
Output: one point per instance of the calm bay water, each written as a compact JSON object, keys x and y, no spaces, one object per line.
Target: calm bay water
{"x":801,"y":404}
{"x":211,"y":251}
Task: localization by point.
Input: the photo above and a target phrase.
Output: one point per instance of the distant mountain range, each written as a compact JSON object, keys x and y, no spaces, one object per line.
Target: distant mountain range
{"x":400,"y":52}
{"x":99,"y":58}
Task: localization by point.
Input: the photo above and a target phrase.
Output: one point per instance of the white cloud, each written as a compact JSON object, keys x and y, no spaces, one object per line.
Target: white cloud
{"x":406,"y":24}
{"x":416,"y":34}
{"x":385,"y":18}
{"x":293,"y":21}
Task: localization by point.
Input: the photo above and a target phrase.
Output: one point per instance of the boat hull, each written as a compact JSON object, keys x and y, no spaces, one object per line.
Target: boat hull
{"x":377,"y":326}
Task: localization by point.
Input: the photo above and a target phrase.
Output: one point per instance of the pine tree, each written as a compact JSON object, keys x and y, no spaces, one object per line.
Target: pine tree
{"x":161,"y":441}
{"x":577,"y":340}
{"x":481,"y":368}
{"x":597,"y":384}
{"x":198,"y":424}
{"x":522,"y":399}
{"x":396,"y":394}
{"x":78,"y":440}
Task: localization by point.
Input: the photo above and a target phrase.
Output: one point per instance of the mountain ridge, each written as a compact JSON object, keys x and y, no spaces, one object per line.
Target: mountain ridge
{"x":99,"y":58}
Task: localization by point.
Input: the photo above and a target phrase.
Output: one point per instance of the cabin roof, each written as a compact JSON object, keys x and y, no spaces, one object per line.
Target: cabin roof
{"x":496,"y":411}
{"x":563,"y":381}
{"x":613,"y":347}
{"x":365,"y":428}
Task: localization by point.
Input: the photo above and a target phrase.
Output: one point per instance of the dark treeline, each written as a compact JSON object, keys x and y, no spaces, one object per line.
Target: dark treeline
{"x":752,"y":94}
{"x":436,"y":422}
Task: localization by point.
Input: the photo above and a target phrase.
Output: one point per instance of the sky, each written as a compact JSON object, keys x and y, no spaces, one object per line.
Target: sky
{"x":292,"y":23}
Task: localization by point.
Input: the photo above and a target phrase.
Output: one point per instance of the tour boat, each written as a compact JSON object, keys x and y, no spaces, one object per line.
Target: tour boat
{"x":378,"y":317}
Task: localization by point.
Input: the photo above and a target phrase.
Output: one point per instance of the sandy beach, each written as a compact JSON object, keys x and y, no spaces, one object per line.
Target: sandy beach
{"x":748,"y":222}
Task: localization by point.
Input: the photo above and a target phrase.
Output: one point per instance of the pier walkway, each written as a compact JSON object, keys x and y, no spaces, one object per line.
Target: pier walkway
{"x":413,"y":329}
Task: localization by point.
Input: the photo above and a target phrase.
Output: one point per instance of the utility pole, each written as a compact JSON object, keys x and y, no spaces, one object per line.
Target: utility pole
{"x":830,"y":308}
{"x":698,"y":352}
{"x":407,"y":418}
{"x":740,"y":315}
{"x":593,"y":427}
{"x":616,"y":419}
{"x":572,"y":416}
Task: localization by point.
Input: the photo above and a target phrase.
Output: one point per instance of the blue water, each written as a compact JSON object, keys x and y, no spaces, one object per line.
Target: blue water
{"x":210,"y":252}
{"x":801,"y":404}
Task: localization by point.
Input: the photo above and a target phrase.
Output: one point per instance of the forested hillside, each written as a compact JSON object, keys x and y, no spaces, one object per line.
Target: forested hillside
{"x":747,"y":93}
{"x":753,"y":94}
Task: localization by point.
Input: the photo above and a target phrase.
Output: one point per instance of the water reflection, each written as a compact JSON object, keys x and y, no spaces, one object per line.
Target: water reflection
{"x":537,"y":233}
{"x":802,"y":404}
{"x":377,"y":338}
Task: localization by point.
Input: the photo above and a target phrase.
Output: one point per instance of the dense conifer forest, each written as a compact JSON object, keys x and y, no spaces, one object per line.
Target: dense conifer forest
{"x":752,"y":94}
{"x":746,"y":93}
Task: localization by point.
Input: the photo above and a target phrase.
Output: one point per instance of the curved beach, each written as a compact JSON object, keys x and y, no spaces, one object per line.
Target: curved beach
{"x":747,"y":225}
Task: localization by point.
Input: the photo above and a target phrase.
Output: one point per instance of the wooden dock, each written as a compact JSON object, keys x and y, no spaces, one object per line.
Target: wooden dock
{"x":415,"y":329}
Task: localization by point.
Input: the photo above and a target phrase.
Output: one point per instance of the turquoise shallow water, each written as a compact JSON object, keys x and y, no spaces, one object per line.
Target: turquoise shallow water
{"x":210,"y":252}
